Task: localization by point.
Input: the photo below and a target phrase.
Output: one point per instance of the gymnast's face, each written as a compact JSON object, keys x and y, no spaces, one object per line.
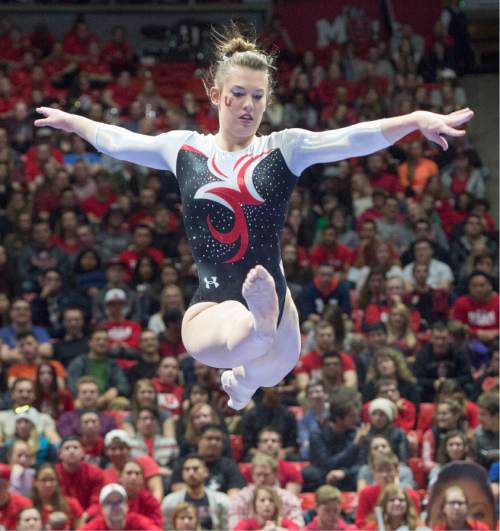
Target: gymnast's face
{"x":241,"y":102}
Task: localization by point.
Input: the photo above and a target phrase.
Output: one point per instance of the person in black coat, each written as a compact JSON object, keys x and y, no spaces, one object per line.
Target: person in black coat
{"x":441,"y":359}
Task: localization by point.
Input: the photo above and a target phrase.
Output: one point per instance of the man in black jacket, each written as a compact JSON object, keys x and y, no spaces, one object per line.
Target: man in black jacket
{"x":439,"y":360}
{"x":336,"y":450}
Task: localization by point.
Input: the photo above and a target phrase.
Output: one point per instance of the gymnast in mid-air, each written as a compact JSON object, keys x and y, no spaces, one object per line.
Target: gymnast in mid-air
{"x":234,"y":187}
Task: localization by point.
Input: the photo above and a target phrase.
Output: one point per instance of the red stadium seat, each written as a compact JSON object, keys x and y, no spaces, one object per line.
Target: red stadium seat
{"x":425,"y":414}
{"x":349,"y":502}
{"x":307,"y":500}
{"x":300,"y":465}
{"x":245,"y":469}
{"x":236,"y":442}
{"x":419,"y":473}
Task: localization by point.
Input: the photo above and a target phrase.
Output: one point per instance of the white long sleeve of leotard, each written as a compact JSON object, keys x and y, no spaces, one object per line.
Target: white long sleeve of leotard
{"x":302,"y":148}
{"x":157,"y":152}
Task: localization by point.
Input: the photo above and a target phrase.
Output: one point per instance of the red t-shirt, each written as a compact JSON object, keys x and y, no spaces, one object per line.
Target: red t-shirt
{"x":368,"y":500}
{"x":169,"y":396}
{"x":478,"y":315}
{"x":339,"y":526}
{"x":287,"y":473}
{"x":128,"y":332}
{"x":474,"y":525}
{"x":85,"y":483}
{"x":147,"y":505}
{"x":252,"y":524}
{"x":339,"y":257}
{"x":133,"y":522}
{"x":98,"y":208}
{"x":386,"y":181}
{"x":311,"y":362}
{"x":149,"y":467}
{"x":74,"y":512}
{"x":9,"y":511}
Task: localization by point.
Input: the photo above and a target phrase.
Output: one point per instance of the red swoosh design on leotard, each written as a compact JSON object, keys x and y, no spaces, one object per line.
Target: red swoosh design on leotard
{"x":234,"y":193}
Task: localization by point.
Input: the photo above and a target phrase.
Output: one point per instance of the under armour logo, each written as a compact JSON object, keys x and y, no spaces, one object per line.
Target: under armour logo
{"x":212,"y":282}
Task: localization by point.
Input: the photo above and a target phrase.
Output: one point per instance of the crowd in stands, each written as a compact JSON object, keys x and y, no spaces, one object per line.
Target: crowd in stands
{"x":107,"y":423}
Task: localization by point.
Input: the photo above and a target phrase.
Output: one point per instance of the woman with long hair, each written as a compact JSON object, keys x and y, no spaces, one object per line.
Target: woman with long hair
{"x":390,"y":363}
{"x":397,"y":511}
{"x":399,"y":332}
{"x":48,"y":498}
{"x":145,"y":281}
{"x":373,"y":289}
{"x":145,"y":395}
{"x":454,"y":446}
{"x":449,"y":415}
{"x":49,"y":398}
{"x":237,"y":251}
{"x":267,"y":510}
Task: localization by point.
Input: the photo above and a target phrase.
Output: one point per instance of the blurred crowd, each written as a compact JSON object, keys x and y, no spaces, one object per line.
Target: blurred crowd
{"x":107,"y":423}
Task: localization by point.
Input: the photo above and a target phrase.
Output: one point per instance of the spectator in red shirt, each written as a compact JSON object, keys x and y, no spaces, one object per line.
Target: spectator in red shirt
{"x":122,"y":93}
{"x":124,"y":335}
{"x":142,"y":238}
{"x":144,"y":214}
{"x":385,"y":470}
{"x":376,"y":169}
{"x":270,"y":443}
{"x":48,"y":498}
{"x":480,"y":308}
{"x":115,"y":513}
{"x":117,"y":445}
{"x":309,"y":365}
{"x":166,"y":383}
{"x":97,"y":205}
{"x":77,"y":41}
{"x":140,"y":500}
{"x":267,"y":509}
{"x":117,"y":52}
{"x":92,"y":442}
{"x":78,"y":479}
{"x":10,"y":504}
{"x":328,"y":508}
{"x":331,"y":252}
{"x":398,"y":510}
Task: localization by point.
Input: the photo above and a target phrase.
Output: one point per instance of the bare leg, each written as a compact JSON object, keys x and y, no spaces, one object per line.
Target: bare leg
{"x":269,"y":369}
{"x":227,"y":334}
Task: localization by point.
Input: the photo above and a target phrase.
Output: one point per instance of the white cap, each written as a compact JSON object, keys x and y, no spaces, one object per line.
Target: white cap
{"x":121,"y":435}
{"x":27,"y":413}
{"x":110,"y":489}
{"x":115,"y":294}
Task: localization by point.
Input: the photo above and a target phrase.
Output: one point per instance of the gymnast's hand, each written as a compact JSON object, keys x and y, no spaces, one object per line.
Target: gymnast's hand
{"x":54,"y":118}
{"x":433,"y":125}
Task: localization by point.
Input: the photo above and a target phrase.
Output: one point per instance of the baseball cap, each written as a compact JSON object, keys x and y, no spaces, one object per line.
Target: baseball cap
{"x":327,"y":493}
{"x":110,"y":489}
{"x":120,"y":435}
{"x":115,"y":294}
{"x":4,"y":472}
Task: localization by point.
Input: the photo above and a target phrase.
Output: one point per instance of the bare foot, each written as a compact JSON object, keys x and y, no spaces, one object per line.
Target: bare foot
{"x":239,"y":395}
{"x":259,"y":291}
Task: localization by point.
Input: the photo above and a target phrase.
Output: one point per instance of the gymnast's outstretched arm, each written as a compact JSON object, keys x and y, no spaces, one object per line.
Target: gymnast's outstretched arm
{"x":150,"y":151}
{"x":307,"y":148}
